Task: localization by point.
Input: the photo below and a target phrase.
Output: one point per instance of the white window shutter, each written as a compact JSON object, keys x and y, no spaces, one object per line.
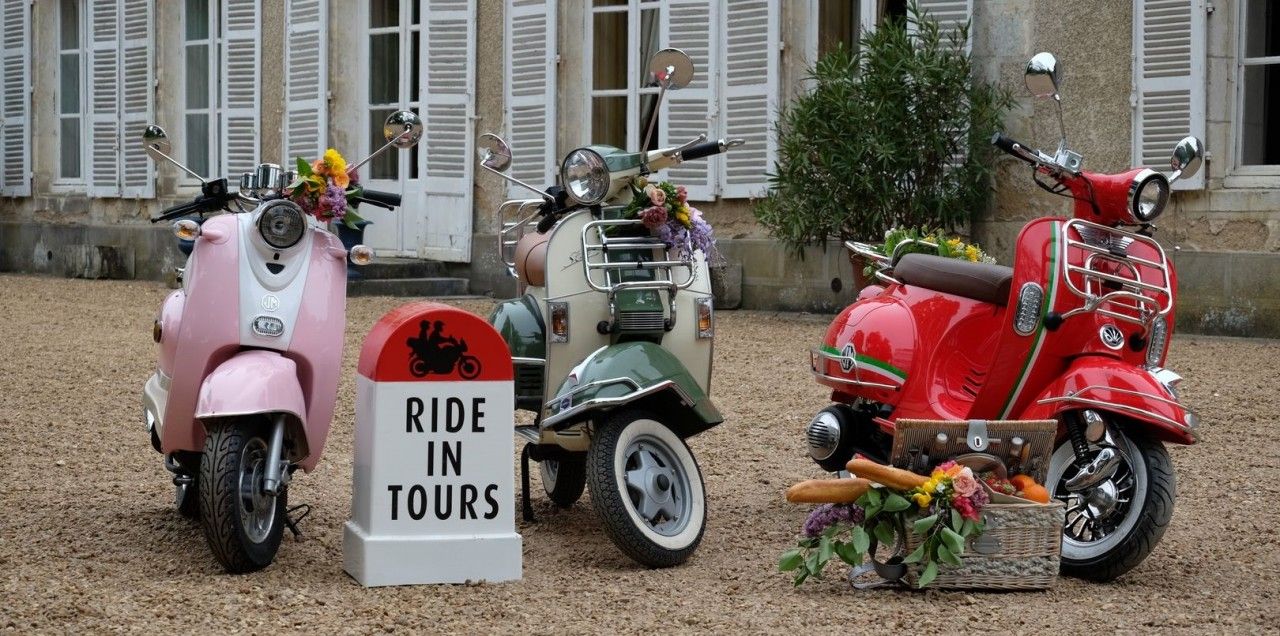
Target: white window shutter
{"x":104,"y":98}
{"x":690,"y":111}
{"x":749,"y":94}
{"x":239,"y":69}
{"x":1169,"y":81}
{"x":949,"y":14}
{"x":449,"y":104}
{"x":137,"y":97}
{"x":15,"y":120}
{"x":306,"y":52}
{"x":531,"y":93}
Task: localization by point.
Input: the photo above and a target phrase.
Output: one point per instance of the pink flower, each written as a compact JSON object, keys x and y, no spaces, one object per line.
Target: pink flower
{"x":682,"y":194}
{"x":654,"y":217}
{"x":966,"y":508}
{"x":657,"y":196}
{"x":964,"y":483}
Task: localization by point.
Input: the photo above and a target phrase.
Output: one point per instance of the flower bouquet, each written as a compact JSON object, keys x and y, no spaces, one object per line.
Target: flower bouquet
{"x":322,"y":188}
{"x":664,"y":209}
{"x":953,"y":247}
{"x":941,"y":511}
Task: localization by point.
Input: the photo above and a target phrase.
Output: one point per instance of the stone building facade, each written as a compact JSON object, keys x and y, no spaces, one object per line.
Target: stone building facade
{"x":241,"y":81}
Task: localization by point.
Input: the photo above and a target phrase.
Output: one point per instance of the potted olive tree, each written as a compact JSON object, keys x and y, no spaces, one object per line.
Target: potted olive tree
{"x":893,"y":135}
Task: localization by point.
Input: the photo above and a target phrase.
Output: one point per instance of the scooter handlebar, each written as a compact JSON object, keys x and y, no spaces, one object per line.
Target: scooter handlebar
{"x":1015,"y":148}
{"x":386,"y":200}
{"x":705,"y":149}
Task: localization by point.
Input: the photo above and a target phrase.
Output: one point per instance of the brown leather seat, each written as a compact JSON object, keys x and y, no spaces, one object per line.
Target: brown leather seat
{"x":980,"y":281}
{"x":531,"y":258}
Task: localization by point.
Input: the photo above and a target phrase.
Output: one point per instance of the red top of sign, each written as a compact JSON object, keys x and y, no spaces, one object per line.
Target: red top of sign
{"x":432,"y":342}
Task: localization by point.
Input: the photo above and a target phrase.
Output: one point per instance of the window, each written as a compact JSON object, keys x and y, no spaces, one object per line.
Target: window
{"x":622,"y":95}
{"x":1260,"y":83}
{"x":838,"y":23}
{"x":71,"y":95}
{"x":200,"y":44}
{"x":220,"y":50}
{"x":394,"y":79}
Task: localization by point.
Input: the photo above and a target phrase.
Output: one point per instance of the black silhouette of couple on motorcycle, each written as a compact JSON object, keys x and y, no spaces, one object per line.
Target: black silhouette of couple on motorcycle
{"x":434,"y":352}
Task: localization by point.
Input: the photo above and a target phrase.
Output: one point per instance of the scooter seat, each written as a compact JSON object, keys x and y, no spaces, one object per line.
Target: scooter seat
{"x":531,"y":258}
{"x":986,"y":282}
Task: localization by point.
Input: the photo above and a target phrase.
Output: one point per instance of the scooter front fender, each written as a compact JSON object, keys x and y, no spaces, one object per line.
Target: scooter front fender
{"x":258,"y":382}
{"x":639,"y":374}
{"x":1120,"y":388}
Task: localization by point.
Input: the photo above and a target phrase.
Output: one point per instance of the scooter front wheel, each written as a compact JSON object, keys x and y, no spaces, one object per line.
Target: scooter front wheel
{"x":564,"y":479}
{"x":1109,"y":528}
{"x":242,"y":524}
{"x":647,"y":488}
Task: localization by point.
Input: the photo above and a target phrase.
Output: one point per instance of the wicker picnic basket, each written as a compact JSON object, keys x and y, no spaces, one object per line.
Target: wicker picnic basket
{"x":1021,"y":544}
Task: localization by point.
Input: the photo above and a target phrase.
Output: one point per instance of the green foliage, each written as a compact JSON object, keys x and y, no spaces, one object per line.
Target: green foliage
{"x":874,"y":144}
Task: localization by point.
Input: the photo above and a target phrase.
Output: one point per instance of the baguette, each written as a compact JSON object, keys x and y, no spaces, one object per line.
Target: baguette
{"x":828,"y":491}
{"x":888,"y":476}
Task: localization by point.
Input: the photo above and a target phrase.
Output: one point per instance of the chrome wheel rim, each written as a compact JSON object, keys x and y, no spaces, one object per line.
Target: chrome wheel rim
{"x":656,"y":485}
{"x":257,"y":508}
{"x":550,"y":469}
{"x":1098,"y":518}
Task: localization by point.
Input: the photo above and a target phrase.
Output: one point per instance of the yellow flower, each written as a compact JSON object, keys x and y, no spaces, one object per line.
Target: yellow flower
{"x":682,"y":215}
{"x":931,"y":485}
{"x":954,"y":243}
{"x":337,"y":168}
{"x":922,"y":499}
{"x":972,"y":253}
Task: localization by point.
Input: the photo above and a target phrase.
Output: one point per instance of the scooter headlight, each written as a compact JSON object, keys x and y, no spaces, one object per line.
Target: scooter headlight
{"x":1155,"y":343}
{"x":281,"y":224}
{"x":1148,"y":194}
{"x":585,"y":176}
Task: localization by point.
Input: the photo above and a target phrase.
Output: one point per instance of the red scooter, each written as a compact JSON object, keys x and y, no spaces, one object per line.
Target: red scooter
{"x":1077,"y":330}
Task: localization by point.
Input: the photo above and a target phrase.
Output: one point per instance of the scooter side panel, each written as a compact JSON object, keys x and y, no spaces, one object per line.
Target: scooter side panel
{"x":567,"y":282}
{"x":317,"y":341}
{"x":208,"y":334}
{"x":682,"y":341}
{"x":880,"y":334}
{"x":1114,"y":385}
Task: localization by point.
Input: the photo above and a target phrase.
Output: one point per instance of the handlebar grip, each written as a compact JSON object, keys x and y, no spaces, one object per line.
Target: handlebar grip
{"x":385,"y":199}
{"x":181,"y":210}
{"x":705,"y":149}
{"x":1013,"y":147}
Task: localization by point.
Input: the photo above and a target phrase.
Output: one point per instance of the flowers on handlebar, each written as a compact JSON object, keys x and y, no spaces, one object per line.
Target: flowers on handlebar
{"x":322,"y":189}
{"x":664,"y":208}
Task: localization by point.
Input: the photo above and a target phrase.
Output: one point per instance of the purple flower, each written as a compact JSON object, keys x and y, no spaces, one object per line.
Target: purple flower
{"x":333,"y":199}
{"x":826,"y":515}
{"x":980,"y":499}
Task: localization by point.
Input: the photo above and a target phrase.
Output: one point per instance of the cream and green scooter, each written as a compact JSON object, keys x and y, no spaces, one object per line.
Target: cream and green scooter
{"x":612,"y":341}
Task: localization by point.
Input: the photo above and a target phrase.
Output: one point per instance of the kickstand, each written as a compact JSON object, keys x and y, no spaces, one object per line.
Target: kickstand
{"x":292,"y":523}
{"x":526,"y":504}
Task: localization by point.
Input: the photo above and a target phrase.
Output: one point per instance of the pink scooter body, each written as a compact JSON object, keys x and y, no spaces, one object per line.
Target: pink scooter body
{"x":213,"y":364}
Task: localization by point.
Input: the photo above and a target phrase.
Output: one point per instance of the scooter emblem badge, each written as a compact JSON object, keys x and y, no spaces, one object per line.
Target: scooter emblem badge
{"x":270,"y":302}
{"x":846,"y":362}
{"x":1111,"y":336}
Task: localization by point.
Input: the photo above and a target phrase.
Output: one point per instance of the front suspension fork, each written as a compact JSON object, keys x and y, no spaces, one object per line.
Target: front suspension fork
{"x":1083,"y":429}
{"x":275,"y":468}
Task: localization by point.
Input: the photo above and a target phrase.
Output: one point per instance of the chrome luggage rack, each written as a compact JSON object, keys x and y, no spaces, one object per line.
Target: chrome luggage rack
{"x":847,"y":364}
{"x":1135,"y":301}
{"x":515,"y":218}
{"x":884,"y":264}
{"x":604,"y":255}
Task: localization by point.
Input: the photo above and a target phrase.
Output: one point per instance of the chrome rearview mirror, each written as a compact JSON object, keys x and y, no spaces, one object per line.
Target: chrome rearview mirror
{"x":1042,"y":75}
{"x":402,"y":129}
{"x":155,"y":141}
{"x":494,"y":152}
{"x":1188,"y":156}
{"x":671,"y":68}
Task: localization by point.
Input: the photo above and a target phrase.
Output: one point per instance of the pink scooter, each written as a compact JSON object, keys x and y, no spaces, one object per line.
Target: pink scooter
{"x":250,"y":352}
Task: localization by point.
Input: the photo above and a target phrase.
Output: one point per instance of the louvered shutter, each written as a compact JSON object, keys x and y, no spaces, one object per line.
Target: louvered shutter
{"x":104,"y":98}
{"x":749,"y":94}
{"x":306,"y":53}
{"x":690,"y":111}
{"x":1169,"y":81}
{"x":530,"y":92}
{"x":15,"y":120}
{"x":449,"y":105}
{"x":239,"y":70}
{"x":136,"y":101}
{"x":949,"y":14}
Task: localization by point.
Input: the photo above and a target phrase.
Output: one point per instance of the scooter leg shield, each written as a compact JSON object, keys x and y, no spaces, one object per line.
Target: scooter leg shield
{"x":253,"y":383}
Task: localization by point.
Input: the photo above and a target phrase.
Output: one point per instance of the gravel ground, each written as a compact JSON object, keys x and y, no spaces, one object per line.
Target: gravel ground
{"x":89,"y":541}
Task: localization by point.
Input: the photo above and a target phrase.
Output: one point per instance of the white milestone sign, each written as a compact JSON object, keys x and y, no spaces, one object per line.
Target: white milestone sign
{"x":434,"y":488}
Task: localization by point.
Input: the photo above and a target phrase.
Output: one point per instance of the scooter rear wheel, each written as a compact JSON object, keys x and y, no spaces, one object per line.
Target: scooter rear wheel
{"x":564,"y":479}
{"x":242,"y":524}
{"x":647,"y":488}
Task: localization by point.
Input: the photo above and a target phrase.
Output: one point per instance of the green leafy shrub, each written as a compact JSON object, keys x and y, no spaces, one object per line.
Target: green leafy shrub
{"x":895,"y":134}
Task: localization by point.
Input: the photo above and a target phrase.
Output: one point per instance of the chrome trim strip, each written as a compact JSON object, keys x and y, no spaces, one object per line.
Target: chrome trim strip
{"x":1077,"y":397}
{"x":596,"y":403}
{"x":855,"y":366}
{"x":539,"y":362}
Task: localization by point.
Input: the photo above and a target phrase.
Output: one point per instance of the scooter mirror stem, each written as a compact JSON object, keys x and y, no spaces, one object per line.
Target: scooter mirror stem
{"x":179,"y":165}
{"x":653,"y":121}
{"x":352,"y":168}
{"x":544,"y":195}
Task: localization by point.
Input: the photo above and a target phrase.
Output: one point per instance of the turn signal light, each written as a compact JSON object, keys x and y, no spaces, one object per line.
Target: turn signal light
{"x":361,"y":255}
{"x":559,"y":322}
{"x":706,"y":323}
{"x":186,"y":229}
